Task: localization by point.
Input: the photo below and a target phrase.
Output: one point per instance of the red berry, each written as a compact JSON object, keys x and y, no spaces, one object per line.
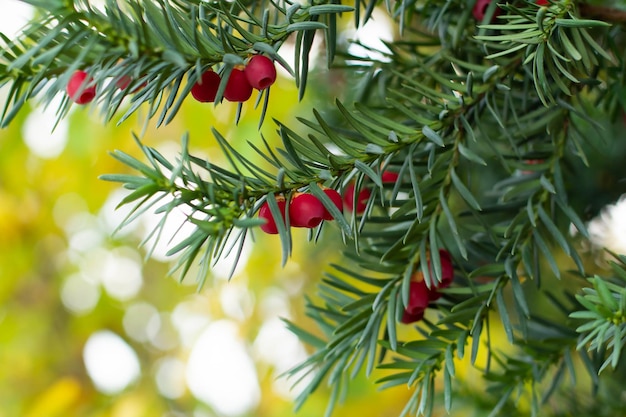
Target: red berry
{"x":335,"y":197}
{"x":480,"y":8}
{"x":389,"y":177}
{"x":205,"y":89}
{"x":124,"y":81}
{"x":238,"y":88}
{"x":542,"y":2}
{"x":81,"y":88}
{"x":306,"y":210}
{"x":412,"y":317}
{"x":447,"y":273}
{"x":348,"y":198}
{"x":270,"y":224}
{"x":260,"y":72}
{"x":433,"y":294}
{"x":419,"y":296}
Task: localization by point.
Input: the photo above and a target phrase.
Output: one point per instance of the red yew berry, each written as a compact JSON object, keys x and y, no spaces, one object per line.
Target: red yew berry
{"x":205,"y":89}
{"x":480,"y":8}
{"x":389,"y":177}
{"x":447,"y":275}
{"x":124,"y":81}
{"x":270,"y":224}
{"x":542,"y":2}
{"x":238,"y":89}
{"x":306,"y":210}
{"x":81,"y":88}
{"x":447,"y":271}
{"x":419,"y":297}
{"x":260,"y":72}
{"x":335,"y":197}
{"x":419,"y":293}
{"x":412,"y":317}
{"x":361,"y":203}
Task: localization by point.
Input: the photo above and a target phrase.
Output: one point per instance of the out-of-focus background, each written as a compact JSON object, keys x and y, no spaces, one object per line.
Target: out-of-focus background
{"x":90,"y":327}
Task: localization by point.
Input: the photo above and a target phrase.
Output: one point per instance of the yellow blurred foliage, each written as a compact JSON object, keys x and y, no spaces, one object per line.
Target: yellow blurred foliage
{"x":57,"y":400}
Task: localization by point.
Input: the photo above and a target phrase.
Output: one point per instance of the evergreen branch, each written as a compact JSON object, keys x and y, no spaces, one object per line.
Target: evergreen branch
{"x":545,"y":353}
{"x":602,"y":324}
{"x":539,"y":193}
{"x":556,"y":42}
{"x":227,"y":201}
{"x":153,"y":44}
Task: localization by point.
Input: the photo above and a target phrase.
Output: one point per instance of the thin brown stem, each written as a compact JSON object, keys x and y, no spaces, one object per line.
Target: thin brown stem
{"x":606,"y":14}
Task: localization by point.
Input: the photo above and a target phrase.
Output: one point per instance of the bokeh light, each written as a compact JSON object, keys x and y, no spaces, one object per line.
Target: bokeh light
{"x":220,"y":371}
{"x":111,"y":363}
{"x":44,"y":136}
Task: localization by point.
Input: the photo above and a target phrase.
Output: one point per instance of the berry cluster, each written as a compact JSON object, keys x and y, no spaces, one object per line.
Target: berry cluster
{"x":388,"y":177}
{"x":419,"y":293}
{"x":361,"y":200}
{"x":259,"y":73}
{"x":305,"y":210}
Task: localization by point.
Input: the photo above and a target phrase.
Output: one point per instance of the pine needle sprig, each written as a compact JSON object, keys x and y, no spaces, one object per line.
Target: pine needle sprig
{"x":556,"y":43}
{"x":602,"y":317}
{"x":216,"y":200}
{"x":156,"y":44}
